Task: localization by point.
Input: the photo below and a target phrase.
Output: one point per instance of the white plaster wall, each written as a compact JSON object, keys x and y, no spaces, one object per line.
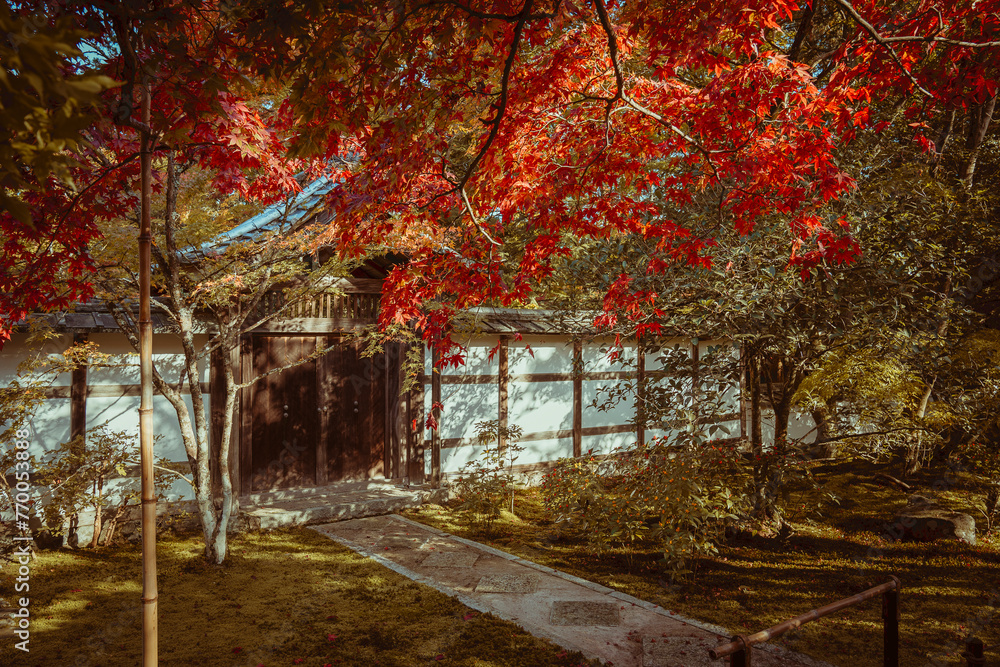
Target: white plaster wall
{"x":653,"y":360}
{"x":453,"y":458}
{"x":168,"y":358}
{"x":605,"y":444}
{"x":476,"y":353}
{"x":17,"y":349}
{"x":545,"y":406}
{"x":597,"y":356}
{"x":541,"y":451}
{"x":540,"y":406}
{"x":729,"y":353}
{"x":537,"y":354}
{"x":50,"y":426}
{"x":464,"y":406}
{"x":122,"y":414}
{"x":620,"y":413}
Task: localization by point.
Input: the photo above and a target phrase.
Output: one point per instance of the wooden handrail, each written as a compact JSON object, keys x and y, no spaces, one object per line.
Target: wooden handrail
{"x":740,"y":646}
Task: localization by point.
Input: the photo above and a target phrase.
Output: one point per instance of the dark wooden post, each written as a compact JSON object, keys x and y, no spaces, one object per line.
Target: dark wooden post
{"x":323,"y":389}
{"x":695,"y":374}
{"x":890,"y":626}
{"x":436,"y":431}
{"x":78,"y":395}
{"x":640,"y":393}
{"x":503,"y":385}
{"x":413,"y":465}
{"x":247,"y":406}
{"x":577,"y":398}
{"x":235,"y":444}
{"x":753,"y":371}
{"x":974,"y":652}
{"x":741,"y":658}
{"x":743,"y":385}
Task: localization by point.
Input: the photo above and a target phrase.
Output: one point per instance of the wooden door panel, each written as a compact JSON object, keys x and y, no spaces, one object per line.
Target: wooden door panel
{"x":354,"y":413}
{"x":284,"y":422}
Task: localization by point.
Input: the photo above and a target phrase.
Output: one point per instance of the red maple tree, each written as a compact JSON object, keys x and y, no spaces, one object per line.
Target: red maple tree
{"x":493,"y":135}
{"x":490,"y":136}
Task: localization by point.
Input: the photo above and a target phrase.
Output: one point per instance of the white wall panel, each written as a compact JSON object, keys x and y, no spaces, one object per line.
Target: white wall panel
{"x":122,"y":414}
{"x":540,"y":406}
{"x":168,"y":357}
{"x":50,"y":425}
{"x":654,"y":361}
{"x":17,"y":350}
{"x":477,"y":361}
{"x":620,"y":413}
{"x":464,"y":405}
{"x":535,"y":354}
{"x":596,"y":357}
{"x":542,"y":451}
{"x":605,"y":444}
{"x":453,"y":458}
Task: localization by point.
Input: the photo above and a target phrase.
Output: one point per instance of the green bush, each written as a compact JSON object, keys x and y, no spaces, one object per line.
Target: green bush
{"x":677,"y":496}
{"x":78,"y":474}
{"x":486,"y":485}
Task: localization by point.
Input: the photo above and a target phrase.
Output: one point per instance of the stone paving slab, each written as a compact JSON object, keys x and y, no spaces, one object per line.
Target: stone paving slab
{"x":584,"y":612}
{"x":678,"y":652}
{"x":507,"y":583}
{"x":571,"y":612}
{"x":450,"y":559}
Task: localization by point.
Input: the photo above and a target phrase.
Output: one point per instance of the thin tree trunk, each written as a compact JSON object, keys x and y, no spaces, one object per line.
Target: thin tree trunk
{"x":979,"y":122}
{"x":99,"y":488}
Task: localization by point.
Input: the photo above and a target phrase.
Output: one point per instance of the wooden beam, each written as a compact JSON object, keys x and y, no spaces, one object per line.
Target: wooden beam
{"x":436,"y":431}
{"x":78,"y":395}
{"x":112,"y":391}
{"x":314,"y":325}
{"x":547,"y":377}
{"x":323,"y":389}
{"x":246,"y":416}
{"x":503,"y":386}
{"x":743,"y":397}
{"x":695,"y":374}
{"x":216,"y":406}
{"x":577,"y":398}
{"x":640,"y":394}
{"x":234,"y":441}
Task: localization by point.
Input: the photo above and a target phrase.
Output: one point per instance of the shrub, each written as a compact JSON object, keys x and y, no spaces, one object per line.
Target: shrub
{"x":78,"y":474}
{"x":676,"y":496}
{"x":983,"y":462}
{"x":486,"y":484}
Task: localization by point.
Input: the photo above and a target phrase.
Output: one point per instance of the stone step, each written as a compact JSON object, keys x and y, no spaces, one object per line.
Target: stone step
{"x":327,"y":507}
{"x":337,"y":488}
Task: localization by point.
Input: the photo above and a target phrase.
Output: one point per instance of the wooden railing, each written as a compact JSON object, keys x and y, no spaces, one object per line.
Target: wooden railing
{"x":740,"y":648}
{"x":353,"y":306}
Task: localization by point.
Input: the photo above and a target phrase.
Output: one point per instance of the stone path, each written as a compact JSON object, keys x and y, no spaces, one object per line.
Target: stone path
{"x":578,"y":615}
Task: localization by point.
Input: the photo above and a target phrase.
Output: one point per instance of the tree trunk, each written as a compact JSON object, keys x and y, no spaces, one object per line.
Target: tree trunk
{"x":219,"y":542}
{"x":823,"y":448}
{"x":979,"y":122}
{"x":99,"y":487}
{"x":782,"y":415}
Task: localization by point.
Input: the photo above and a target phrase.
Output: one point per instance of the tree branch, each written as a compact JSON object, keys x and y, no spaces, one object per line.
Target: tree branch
{"x":886,"y":41}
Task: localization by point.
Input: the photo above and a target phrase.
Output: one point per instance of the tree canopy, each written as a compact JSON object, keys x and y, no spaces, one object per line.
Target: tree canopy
{"x":488,"y":138}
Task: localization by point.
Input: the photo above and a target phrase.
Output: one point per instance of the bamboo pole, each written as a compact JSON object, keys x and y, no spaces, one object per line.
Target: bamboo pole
{"x":149,"y":594}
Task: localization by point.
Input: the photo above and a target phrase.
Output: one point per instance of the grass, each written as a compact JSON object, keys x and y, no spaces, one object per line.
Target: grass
{"x":950,"y":590}
{"x":283,"y":598}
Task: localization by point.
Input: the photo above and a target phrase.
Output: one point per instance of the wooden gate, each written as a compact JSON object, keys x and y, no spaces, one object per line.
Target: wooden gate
{"x":319,"y":420}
